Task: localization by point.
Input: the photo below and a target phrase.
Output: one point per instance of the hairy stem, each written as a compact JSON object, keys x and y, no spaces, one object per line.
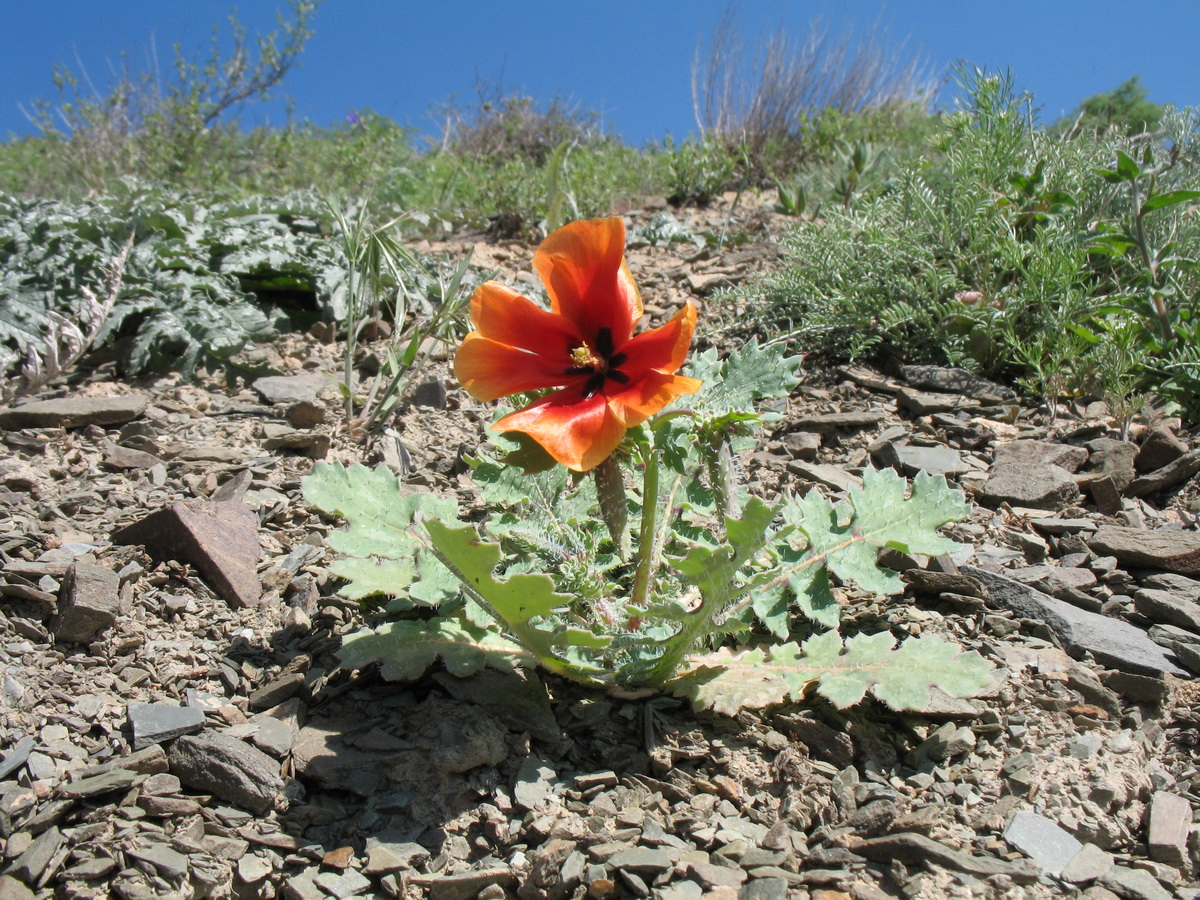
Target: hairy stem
{"x":647,"y":558}
{"x":610,"y":490}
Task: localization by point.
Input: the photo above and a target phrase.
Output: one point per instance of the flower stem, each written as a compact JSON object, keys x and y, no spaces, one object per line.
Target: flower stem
{"x":614,"y":507}
{"x":646,"y":543}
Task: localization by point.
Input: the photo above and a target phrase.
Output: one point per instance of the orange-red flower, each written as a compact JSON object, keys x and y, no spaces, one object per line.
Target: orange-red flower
{"x":609,"y":379}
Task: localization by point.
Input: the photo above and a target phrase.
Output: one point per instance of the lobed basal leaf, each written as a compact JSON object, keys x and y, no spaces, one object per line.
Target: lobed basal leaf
{"x":382,"y":553}
{"x":845,"y":538}
{"x":727,"y":682}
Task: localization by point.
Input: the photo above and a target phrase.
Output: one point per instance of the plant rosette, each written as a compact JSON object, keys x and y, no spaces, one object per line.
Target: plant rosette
{"x":619,"y":549}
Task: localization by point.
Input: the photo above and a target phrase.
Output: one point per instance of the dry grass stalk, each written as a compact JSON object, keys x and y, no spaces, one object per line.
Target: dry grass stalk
{"x":753,"y":100}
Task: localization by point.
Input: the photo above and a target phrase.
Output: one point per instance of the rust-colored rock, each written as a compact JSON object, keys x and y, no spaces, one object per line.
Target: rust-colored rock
{"x":219,"y":538}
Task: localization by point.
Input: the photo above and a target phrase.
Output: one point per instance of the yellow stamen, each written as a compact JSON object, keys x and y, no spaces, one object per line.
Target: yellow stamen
{"x":582,"y":356}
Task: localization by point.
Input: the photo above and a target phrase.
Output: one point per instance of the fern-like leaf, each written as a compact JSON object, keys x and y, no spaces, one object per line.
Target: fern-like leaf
{"x":727,"y":682}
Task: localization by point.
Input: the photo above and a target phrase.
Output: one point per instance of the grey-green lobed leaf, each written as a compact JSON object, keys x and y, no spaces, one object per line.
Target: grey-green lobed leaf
{"x":382,"y":550}
{"x":902,"y":678}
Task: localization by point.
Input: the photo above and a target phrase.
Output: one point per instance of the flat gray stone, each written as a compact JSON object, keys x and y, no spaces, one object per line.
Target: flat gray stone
{"x":1168,"y":476}
{"x":911,"y":848}
{"x":1133,"y":884}
{"x":932,"y":460}
{"x":925,"y":403}
{"x":1087,"y":865}
{"x":12,"y":889}
{"x":303,"y":887}
{"x":1168,"y":609}
{"x":87,"y":603}
{"x":1114,"y":642}
{"x":831,"y":476}
{"x":1188,"y":588}
{"x":1170,"y":551}
{"x":168,"y":862}
{"x":466,"y":885}
{"x":648,"y":862}
{"x":219,"y":538}
{"x":30,"y":865}
{"x":1114,"y":459}
{"x":771,"y":888}
{"x":231,"y":769}
{"x":16,"y":757}
{"x":1042,"y":840}
{"x":272,"y":735}
{"x":153,"y":723}
{"x":74,"y":412}
{"x":1041,"y":453}
{"x":342,"y":885}
{"x":958,"y":381}
{"x":850,"y":421}
{"x":1160,"y":448}
{"x":1170,"y":822}
{"x":1034,"y":486}
{"x":535,"y":783}
{"x":293,"y":388}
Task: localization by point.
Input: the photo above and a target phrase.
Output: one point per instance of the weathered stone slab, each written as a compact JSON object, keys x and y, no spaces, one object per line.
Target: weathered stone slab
{"x":923,"y":403}
{"x":958,"y":381}
{"x":851,"y":421}
{"x":87,"y":603}
{"x":293,"y":388}
{"x":1034,"y":486}
{"x":1170,"y":823}
{"x":1041,"y":453}
{"x":830,"y":476}
{"x":1160,"y":448}
{"x":153,"y":723}
{"x":1168,"y":476}
{"x":1042,"y":840}
{"x":931,"y":460}
{"x":1170,"y":551}
{"x":231,"y":769}
{"x":219,"y":538}
{"x":1168,"y":608}
{"x":74,"y":412}
{"x":1113,"y":642}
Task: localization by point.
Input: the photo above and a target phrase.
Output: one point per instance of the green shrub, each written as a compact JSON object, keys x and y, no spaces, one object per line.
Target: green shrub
{"x":1018,"y":253}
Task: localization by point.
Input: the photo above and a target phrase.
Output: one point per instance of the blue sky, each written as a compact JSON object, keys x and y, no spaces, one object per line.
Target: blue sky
{"x":629,"y":60}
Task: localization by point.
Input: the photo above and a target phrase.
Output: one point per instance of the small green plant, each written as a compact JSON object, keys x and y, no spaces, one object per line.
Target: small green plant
{"x":385,"y":279}
{"x":619,"y":582}
{"x":1061,"y":263}
{"x":700,"y":171}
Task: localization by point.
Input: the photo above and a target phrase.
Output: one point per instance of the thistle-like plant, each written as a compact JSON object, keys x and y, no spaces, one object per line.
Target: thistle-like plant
{"x":619,"y":549}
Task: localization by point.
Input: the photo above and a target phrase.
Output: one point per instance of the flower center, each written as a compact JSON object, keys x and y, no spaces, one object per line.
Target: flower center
{"x":599,"y":364}
{"x":583,"y":358}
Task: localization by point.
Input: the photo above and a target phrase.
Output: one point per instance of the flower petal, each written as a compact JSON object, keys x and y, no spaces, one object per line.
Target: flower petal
{"x":645,"y":397}
{"x":580,"y":432}
{"x":489,"y":370}
{"x":501,"y":314}
{"x":583,"y":267}
{"x":663,"y":348}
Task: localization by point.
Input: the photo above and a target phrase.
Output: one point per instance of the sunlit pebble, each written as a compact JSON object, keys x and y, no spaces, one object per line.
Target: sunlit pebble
{"x":42,"y":789}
